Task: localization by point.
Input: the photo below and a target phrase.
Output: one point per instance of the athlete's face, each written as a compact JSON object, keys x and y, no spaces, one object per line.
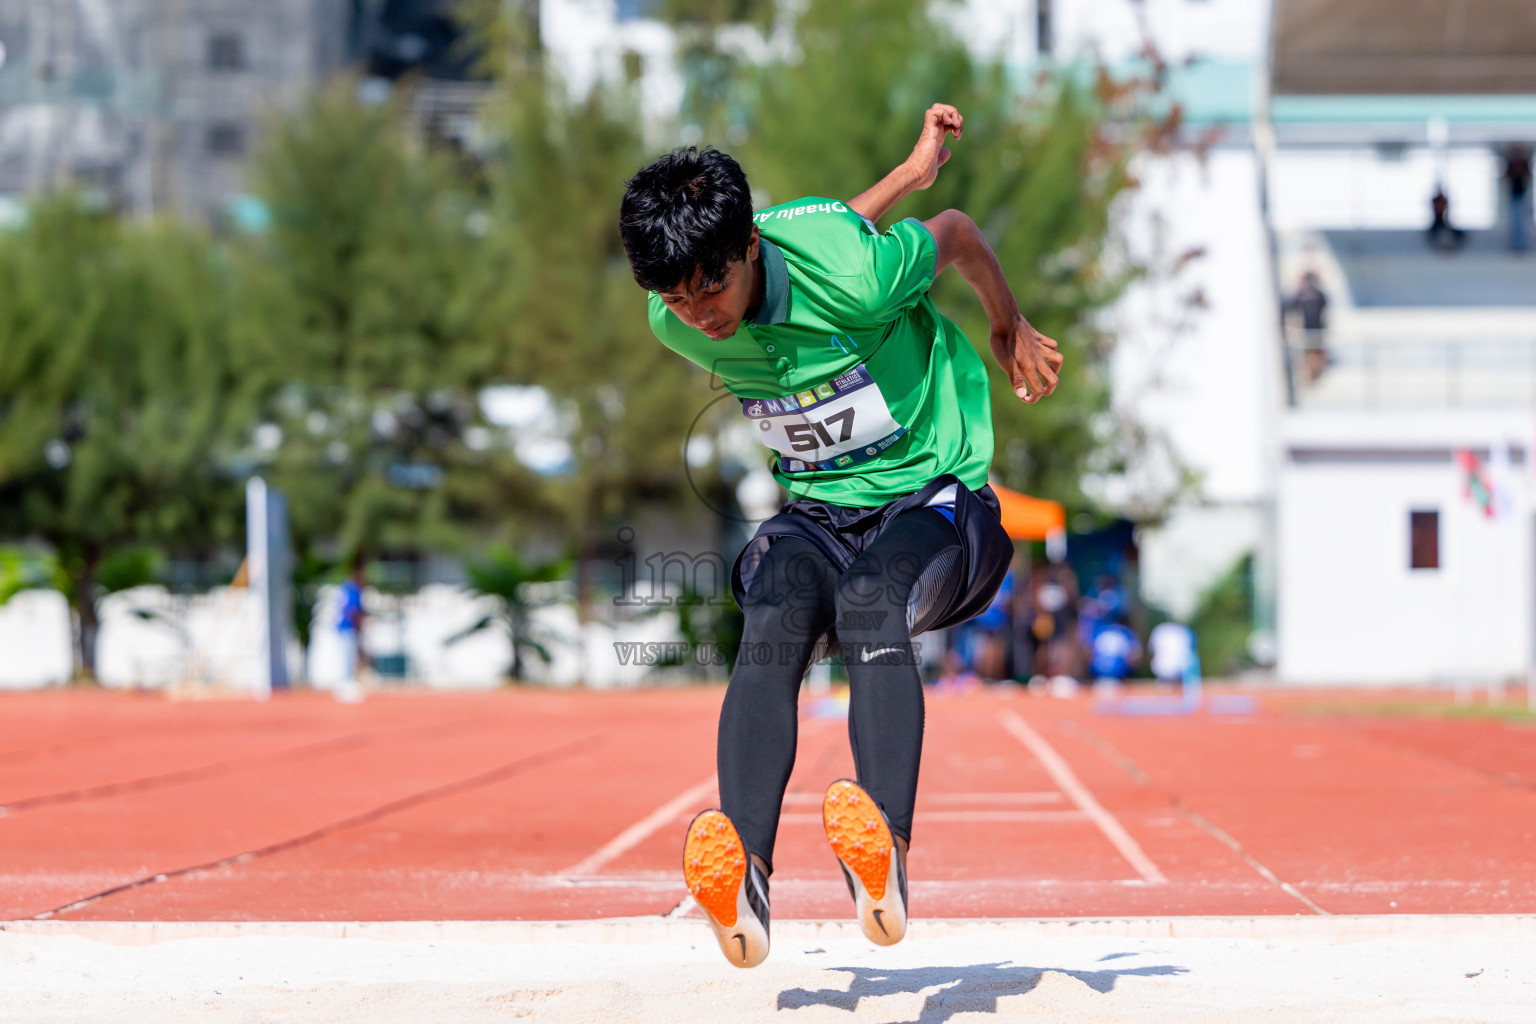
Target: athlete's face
{"x":716,"y":309}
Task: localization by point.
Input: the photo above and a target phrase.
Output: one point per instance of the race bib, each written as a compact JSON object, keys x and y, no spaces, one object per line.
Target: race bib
{"x":834,"y":425}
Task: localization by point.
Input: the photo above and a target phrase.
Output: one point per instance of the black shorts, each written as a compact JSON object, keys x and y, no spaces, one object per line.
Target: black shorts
{"x":841,"y":533}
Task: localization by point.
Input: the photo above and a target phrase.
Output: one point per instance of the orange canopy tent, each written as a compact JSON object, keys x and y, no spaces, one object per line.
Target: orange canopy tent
{"x":1027,"y":518}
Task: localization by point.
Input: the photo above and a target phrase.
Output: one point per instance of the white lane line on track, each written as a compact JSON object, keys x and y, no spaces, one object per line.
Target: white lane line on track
{"x":1131,"y":768}
{"x":640,"y":831}
{"x":814,"y":799}
{"x":992,"y":798}
{"x":683,"y":908}
{"x":959,"y":816}
{"x":1220,"y":835}
{"x":1062,"y":774}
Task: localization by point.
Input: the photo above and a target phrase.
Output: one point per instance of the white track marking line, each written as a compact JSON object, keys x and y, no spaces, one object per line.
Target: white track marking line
{"x":815,"y":799}
{"x":959,"y":816}
{"x":993,"y":798}
{"x":803,"y":799}
{"x":684,"y":906}
{"x":1220,"y":835}
{"x":1063,"y":776}
{"x":643,"y":829}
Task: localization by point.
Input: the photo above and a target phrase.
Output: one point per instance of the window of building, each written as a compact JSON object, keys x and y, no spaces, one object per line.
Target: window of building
{"x":226,"y":52}
{"x":1044,"y":30}
{"x":226,"y":138}
{"x":1423,"y":540}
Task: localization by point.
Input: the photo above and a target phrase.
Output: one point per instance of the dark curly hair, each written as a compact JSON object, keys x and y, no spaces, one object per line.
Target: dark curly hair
{"x":690,"y":210}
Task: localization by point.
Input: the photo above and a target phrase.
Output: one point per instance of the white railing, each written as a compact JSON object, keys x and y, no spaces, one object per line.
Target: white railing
{"x":1323,"y":371}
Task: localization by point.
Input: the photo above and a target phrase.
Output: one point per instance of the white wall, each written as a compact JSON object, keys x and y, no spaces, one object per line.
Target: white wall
{"x":35,"y":640}
{"x":1350,"y":608}
{"x":1207,"y":378}
{"x":1358,"y":188}
{"x":587,"y":44}
{"x":1227,"y":29}
{"x":1182,"y":557}
{"x":210,"y":639}
{"x":1209,"y":385}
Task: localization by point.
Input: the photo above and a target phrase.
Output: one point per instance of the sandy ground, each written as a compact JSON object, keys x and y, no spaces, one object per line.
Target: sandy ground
{"x":658,"y":972}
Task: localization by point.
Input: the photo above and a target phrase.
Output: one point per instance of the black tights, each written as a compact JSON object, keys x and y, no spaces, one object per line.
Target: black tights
{"x":795,"y":596}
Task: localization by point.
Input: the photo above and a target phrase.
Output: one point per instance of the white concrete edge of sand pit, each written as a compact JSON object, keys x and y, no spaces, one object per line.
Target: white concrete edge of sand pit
{"x":1434,"y":928}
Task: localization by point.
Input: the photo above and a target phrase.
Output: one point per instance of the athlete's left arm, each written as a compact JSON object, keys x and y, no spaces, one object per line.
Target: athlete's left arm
{"x":917,"y":171}
{"x":1031,"y":360}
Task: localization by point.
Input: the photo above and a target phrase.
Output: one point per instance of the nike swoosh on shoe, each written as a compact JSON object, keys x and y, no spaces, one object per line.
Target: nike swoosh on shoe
{"x":728,"y":888}
{"x":866,"y":850}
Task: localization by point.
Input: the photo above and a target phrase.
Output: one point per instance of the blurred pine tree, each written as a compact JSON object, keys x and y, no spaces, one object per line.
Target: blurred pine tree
{"x":356,"y":319}
{"x":116,"y":400}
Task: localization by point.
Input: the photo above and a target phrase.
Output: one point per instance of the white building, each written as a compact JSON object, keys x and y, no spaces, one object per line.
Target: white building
{"x":1389,"y":568}
{"x":155,"y":104}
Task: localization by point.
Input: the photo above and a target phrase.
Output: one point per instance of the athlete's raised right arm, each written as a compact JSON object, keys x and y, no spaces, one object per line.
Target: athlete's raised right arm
{"x":1030,"y":359}
{"x":917,"y":171}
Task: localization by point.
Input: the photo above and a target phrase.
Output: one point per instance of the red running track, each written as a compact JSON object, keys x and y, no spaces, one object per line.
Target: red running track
{"x":546,"y":805}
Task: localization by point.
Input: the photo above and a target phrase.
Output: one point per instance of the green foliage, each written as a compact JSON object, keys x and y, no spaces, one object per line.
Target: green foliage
{"x":1223,"y":621}
{"x":717,"y":77}
{"x":310,"y":573}
{"x":515,"y":584}
{"x":116,"y":385}
{"x":703,"y":623}
{"x":127,"y":567}
{"x":26,"y":570}
{"x":356,"y":314}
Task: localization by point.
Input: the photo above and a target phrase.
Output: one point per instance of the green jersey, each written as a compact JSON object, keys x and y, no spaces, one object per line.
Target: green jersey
{"x":847,"y":371}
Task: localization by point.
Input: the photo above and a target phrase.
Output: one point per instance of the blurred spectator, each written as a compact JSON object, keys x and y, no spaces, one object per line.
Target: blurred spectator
{"x":1111,"y":598}
{"x":1054,"y":597}
{"x":1112,"y":652}
{"x":1108,"y":604}
{"x":1311,"y":301}
{"x":1441,"y":234}
{"x":1173,"y":651}
{"x":1021,"y":615}
{"x":349,"y":624}
{"x":982,"y":642}
{"x":1090,"y":616}
{"x":1517,"y":174}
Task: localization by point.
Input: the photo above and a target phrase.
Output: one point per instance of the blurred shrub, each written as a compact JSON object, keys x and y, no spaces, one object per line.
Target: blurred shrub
{"x":514,"y":583}
{"x":357,"y":323}
{"x":1223,"y":621}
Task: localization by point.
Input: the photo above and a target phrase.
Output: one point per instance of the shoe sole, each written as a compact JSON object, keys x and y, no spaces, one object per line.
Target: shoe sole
{"x":863,"y":844}
{"x":715,"y":870}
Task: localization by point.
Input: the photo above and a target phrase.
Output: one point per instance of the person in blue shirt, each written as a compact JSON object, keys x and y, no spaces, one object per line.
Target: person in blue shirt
{"x":1114,"y":650}
{"x":349,"y":626}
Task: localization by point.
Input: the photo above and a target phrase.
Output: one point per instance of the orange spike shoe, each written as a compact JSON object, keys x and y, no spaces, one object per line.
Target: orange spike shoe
{"x":728,"y":887}
{"x":872,"y":864}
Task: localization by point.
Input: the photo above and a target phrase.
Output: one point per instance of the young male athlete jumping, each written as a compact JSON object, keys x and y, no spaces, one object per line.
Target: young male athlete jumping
{"x":878,"y":410}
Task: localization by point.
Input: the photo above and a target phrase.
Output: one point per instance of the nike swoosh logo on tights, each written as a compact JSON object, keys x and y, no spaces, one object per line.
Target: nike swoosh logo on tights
{"x":879,"y":922}
{"x":867,"y":655}
{"x":743,"y":940}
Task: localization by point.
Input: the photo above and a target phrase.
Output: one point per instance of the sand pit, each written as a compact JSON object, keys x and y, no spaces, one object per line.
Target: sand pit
{"x":659,"y":972}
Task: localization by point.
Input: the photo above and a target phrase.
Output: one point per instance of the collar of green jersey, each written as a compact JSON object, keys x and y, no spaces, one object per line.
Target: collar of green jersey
{"x":775,"y":308}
